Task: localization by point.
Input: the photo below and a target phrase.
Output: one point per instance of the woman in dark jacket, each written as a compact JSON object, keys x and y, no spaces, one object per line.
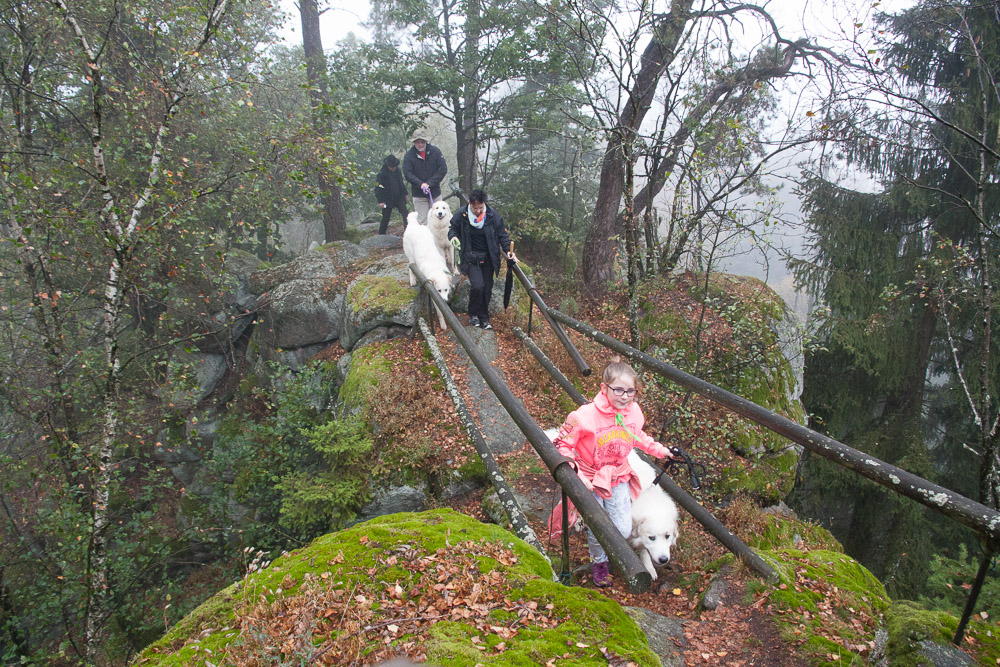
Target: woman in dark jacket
{"x":390,"y":192}
{"x":477,"y":231}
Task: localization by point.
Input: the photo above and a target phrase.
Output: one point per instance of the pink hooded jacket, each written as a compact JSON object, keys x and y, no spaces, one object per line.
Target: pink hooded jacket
{"x":599,"y":447}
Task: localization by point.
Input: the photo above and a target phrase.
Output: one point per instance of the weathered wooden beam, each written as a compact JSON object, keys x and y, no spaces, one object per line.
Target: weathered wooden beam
{"x":518,"y":522}
{"x":547,"y":364}
{"x":615,"y":545}
{"x":982,"y":519}
{"x":536,"y":298}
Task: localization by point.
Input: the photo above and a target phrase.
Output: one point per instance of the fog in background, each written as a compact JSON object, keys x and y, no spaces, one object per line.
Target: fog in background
{"x":823,"y":21}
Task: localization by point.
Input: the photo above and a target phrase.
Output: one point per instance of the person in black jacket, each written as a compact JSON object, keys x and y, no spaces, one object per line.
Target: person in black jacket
{"x":424,"y":168}
{"x":477,"y":231}
{"x":390,"y":192}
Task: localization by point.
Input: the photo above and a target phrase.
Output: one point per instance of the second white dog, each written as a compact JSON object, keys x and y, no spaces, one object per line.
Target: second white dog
{"x":654,"y":519}
{"x":439,"y":219}
{"x":420,"y":249}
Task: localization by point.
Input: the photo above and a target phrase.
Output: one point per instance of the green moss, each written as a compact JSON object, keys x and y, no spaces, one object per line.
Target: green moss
{"x":671,"y":333}
{"x":595,"y":621}
{"x":368,"y":368}
{"x":769,"y":479}
{"x":579,"y":616}
{"x":379,"y":294}
{"x":780,"y":532}
{"x":909,"y":624}
{"x":827,"y":602}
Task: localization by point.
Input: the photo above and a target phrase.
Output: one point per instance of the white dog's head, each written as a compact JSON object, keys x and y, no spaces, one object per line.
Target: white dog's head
{"x":655,"y":532}
{"x":442,"y":284}
{"x":440,"y":211}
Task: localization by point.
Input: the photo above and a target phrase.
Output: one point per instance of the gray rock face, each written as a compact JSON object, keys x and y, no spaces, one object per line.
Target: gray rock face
{"x":202,"y":429}
{"x":381,"y":241}
{"x":343,"y":367}
{"x":394,"y":500}
{"x":662,"y":633}
{"x":300,"y":313}
{"x":292,"y":358}
{"x":712,"y":598}
{"x":938,"y":655}
{"x":789,"y":333}
{"x":321,"y":264}
{"x":944,"y":656}
{"x":193,"y":376}
{"x":380,"y":334}
{"x":225,"y":329}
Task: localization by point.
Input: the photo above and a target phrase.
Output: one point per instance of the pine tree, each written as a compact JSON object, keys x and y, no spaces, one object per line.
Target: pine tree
{"x":906,"y":272}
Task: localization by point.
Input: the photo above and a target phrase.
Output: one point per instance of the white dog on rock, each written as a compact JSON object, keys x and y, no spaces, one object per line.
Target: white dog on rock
{"x":421,"y":249}
{"x":439,"y":219}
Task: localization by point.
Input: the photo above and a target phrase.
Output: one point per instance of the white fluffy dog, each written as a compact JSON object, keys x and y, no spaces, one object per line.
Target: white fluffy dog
{"x":439,"y":219}
{"x":654,"y":519}
{"x":420,"y":249}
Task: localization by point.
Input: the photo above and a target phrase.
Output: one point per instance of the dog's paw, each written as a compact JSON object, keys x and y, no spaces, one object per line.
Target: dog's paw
{"x":652,"y":572}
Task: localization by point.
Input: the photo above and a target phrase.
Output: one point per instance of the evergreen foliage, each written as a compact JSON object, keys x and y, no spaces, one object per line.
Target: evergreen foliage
{"x":948,"y":584}
{"x":904,"y":365}
{"x":297,"y":464}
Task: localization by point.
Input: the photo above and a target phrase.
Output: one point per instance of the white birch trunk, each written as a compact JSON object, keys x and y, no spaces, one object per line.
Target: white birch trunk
{"x":123,"y":240}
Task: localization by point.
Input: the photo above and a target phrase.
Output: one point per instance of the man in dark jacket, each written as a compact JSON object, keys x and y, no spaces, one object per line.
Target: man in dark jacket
{"x":390,"y":192}
{"x":477,"y":231}
{"x":424,"y":167}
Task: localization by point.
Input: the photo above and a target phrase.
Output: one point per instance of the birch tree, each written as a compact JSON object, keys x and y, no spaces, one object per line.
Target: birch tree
{"x":103,"y":187}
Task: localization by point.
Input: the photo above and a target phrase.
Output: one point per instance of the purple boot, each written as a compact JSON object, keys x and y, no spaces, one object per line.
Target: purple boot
{"x":599,"y":572}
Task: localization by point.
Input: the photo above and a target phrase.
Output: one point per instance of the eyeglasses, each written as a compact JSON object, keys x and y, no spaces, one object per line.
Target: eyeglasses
{"x":620,"y":391}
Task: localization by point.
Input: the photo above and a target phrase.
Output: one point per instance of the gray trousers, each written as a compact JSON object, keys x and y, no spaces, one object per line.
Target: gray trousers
{"x":619,"y":508}
{"x":422,"y":205}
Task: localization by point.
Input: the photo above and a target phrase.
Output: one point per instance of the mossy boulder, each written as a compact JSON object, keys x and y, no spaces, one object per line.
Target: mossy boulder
{"x":323,"y":263}
{"x":754,"y":351}
{"x":379,"y":297}
{"x":837,"y":613}
{"x":827,"y":603}
{"x":299,"y":313}
{"x":436,"y":585}
{"x":768,"y":478}
{"x":369,"y":367}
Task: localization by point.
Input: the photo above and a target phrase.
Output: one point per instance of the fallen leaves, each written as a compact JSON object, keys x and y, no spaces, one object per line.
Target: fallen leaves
{"x":325,"y":625}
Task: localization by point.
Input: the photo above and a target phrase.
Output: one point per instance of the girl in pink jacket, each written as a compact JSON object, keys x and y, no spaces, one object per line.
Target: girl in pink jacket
{"x":598,"y":437}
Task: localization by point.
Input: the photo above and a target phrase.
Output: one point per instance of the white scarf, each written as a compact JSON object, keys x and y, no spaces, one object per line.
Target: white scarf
{"x":476,"y":222}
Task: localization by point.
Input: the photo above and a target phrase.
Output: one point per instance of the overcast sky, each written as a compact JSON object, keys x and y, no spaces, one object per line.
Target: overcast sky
{"x":795,"y":17}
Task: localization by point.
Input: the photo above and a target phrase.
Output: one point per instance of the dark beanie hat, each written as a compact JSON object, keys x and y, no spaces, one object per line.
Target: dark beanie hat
{"x":391,"y":161}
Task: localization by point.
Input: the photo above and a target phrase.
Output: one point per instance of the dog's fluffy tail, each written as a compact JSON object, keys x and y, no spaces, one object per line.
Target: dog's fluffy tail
{"x":413,"y":218}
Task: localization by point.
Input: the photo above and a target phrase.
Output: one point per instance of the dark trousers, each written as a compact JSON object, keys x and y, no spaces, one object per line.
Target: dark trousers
{"x":480,"y":288}
{"x":387,"y":211}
